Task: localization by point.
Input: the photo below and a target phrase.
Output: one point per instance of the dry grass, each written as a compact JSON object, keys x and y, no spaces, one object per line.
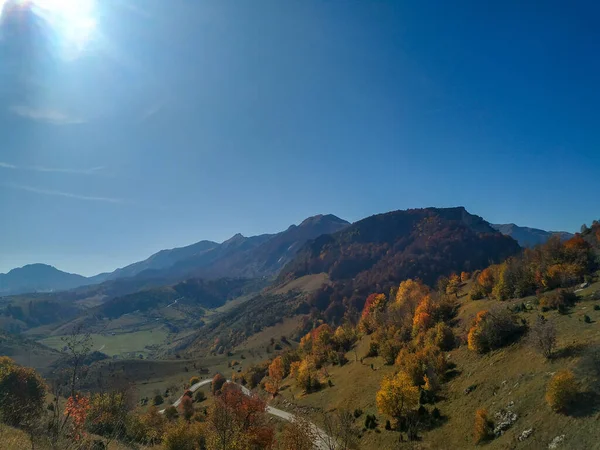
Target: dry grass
{"x":515,"y":375}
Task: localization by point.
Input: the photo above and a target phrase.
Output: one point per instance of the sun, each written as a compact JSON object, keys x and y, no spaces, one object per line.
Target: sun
{"x":73,"y":22}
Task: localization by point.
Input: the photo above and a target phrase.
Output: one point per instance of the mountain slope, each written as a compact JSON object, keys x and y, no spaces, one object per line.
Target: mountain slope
{"x":529,"y":237}
{"x":273,"y":254}
{"x":379,"y":251}
{"x":163,"y":259}
{"x":251,"y":257}
{"x":38,"y":278}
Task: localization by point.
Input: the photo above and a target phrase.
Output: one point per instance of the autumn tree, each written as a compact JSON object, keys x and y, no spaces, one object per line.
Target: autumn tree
{"x":276,"y":374}
{"x":562,"y":390}
{"x":146,"y":428}
{"x":492,"y":330}
{"x":194,"y":380}
{"x":107,"y":414}
{"x":486,"y":280}
{"x":483,"y":427}
{"x":373,"y":306}
{"x":299,"y":434}
{"x":410,"y":293}
{"x":185,"y":436}
{"x":306,"y":375}
{"x":238,"y":420}
{"x":187,"y":407}
{"x":464,"y":277}
{"x":397,"y":396}
{"x":453,"y":285}
{"x":76,"y":409}
{"x":217,"y":383}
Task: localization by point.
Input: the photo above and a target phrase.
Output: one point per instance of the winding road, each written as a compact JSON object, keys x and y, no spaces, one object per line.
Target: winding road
{"x":321,"y":439}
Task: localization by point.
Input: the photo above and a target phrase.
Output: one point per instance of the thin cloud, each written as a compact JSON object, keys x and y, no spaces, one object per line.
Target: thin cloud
{"x":91,"y":171}
{"x":35,"y":190}
{"x":51,"y":116}
{"x":151,"y":112}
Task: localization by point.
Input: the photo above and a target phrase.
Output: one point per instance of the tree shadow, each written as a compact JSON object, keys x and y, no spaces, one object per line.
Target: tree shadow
{"x":571,"y":350}
{"x":585,"y":404}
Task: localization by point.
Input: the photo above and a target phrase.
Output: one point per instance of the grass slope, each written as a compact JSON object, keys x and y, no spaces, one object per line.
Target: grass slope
{"x":515,"y":375}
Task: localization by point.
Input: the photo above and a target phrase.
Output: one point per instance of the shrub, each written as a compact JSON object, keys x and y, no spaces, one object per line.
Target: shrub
{"x":492,"y":330}
{"x":171,"y":413}
{"x":587,"y":318}
{"x":562,"y":390}
{"x":373,"y":350}
{"x":596,"y":307}
{"x":194,"y":380}
{"x":22,"y":393}
{"x":388,"y":425}
{"x":217,"y":383}
{"x":199,"y":396}
{"x":370,"y":422}
{"x":357,"y":413}
{"x":184,"y":436}
{"x":477,"y":291}
{"x":158,"y":400}
{"x":146,"y":429}
{"x":483,"y":427}
{"x":107,"y":414}
{"x":559,"y":299}
{"x":543,"y":336}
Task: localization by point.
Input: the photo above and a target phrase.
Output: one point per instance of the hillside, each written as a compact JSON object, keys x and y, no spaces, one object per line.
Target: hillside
{"x":163,"y":259}
{"x":379,"y":251}
{"x":38,"y":278}
{"x":529,"y":237}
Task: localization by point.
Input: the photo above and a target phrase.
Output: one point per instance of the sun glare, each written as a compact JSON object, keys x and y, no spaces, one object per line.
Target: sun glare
{"x":72,"y":21}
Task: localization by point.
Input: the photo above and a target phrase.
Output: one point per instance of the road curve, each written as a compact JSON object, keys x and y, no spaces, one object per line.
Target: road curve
{"x":321,"y":438}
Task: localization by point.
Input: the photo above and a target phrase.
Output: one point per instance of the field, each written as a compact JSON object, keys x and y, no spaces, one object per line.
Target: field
{"x":119,"y":344}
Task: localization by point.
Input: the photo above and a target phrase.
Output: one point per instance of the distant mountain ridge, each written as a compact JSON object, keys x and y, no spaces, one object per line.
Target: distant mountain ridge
{"x":529,"y":237}
{"x":38,"y":278}
{"x":239,"y":256}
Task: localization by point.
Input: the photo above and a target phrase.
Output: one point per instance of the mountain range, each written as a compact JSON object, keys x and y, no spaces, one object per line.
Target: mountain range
{"x":530,"y":237}
{"x":239,"y":256}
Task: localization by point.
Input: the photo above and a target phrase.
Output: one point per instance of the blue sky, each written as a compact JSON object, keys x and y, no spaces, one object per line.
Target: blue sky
{"x":134,"y":125}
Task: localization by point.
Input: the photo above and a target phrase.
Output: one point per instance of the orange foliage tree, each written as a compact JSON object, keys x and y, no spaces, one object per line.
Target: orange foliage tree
{"x":76,"y":409}
{"x":276,"y":374}
{"x":368,"y":319}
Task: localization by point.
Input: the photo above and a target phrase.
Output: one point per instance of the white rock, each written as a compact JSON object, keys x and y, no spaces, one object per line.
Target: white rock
{"x":557,"y":440}
{"x":525,"y":434}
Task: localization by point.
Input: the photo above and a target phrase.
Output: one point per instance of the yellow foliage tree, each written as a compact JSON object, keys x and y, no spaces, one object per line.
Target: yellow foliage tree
{"x":464,"y":277}
{"x":473,"y":339}
{"x":397,"y":396}
{"x":562,"y":390}
{"x":410,"y":293}
{"x":453,"y":285}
